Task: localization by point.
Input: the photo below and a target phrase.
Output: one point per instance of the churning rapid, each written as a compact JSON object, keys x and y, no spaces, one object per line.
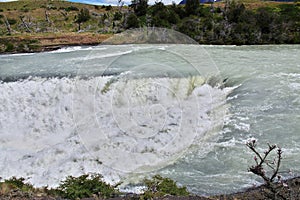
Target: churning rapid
{"x":130,"y":111}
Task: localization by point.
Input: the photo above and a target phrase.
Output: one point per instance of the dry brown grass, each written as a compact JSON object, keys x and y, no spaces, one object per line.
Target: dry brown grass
{"x":70,"y":38}
{"x":34,"y":11}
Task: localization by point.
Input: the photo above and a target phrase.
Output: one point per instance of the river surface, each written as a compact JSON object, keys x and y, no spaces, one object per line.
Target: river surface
{"x":132,"y":111}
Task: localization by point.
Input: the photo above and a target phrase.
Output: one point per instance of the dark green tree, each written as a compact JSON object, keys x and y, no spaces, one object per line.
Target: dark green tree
{"x":83,"y":16}
{"x":132,"y":21}
{"x":178,"y":9}
{"x":86,"y":186}
{"x":139,"y":7}
{"x":234,"y":11}
{"x":162,"y":16}
{"x":191,"y":7}
{"x":159,"y":186}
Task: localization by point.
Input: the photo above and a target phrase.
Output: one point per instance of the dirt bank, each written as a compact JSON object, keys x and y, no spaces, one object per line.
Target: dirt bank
{"x":47,"y":42}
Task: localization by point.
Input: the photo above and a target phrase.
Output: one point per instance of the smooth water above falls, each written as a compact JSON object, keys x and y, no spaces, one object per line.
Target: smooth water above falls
{"x":131,"y":111}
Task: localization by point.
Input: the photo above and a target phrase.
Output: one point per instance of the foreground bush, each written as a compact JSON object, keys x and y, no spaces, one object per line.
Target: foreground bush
{"x":86,"y":186}
{"x":159,"y":186}
{"x":15,"y":187}
{"x":267,"y":168}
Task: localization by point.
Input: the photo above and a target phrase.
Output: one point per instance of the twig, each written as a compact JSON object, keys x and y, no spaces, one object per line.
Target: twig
{"x":7,"y":25}
{"x":259,"y":170}
{"x":25,"y":24}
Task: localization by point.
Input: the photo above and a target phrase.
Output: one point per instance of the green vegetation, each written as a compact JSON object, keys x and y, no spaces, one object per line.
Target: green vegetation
{"x":89,"y":186}
{"x":70,"y":8}
{"x":9,"y":47}
{"x":12,"y":45}
{"x":139,"y":7}
{"x":132,"y":21}
{"x":192,"y":7}
{"x":159,"y":187}
{"x":12,"y":21}
{"x":16,"y":187}
{"x":107,"y":85}
{"x":82,"y":17}
{"x":17,"y":183}
{"x":45,"y":16}
{"x":230,"y":22}
{"x":227,"y":22}
{"x":92,"y":186}
{"x":86,"y":186}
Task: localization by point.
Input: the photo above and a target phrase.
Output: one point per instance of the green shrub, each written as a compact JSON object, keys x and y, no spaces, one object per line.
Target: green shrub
{"x":25,"y":10}
{"x":9,"y":47}
{"x":71,"y":8}
{"x":33,"y":41}
{"x":86,"y":186}
{"x":159,"y":186}
{"x":108,"y":8}
{"x":11,"y":21}
{"x":132,"y":21}
{"x":18,"y":183}
{"x":118,"y":16}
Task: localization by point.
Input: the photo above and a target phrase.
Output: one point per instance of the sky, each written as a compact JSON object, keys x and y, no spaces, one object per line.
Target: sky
{"x":110,"y":2}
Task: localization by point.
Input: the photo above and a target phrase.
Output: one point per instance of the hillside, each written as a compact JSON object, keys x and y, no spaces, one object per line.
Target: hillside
{"x":37,"y":25}
{"x":47,"y":16}
{"x":28,"y":25}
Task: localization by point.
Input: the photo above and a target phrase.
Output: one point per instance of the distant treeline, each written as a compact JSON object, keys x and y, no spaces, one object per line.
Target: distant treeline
{"x":227,"y":23}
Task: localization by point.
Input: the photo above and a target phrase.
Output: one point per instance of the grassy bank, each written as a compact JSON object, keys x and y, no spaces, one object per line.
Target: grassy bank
{"x":43,"y":16}
{"x":31,"y":25}
{"x":34,"y":26}
{"x":26,"y":43}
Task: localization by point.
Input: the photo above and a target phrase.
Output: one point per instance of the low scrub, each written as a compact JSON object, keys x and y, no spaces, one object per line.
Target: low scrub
{"x":159,"y":187}
{"x":86,"y":186}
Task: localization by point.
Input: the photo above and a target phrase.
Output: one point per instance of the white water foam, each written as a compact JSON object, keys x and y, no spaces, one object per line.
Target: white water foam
{"x":72,"y":49}
{"x":51,"y":128}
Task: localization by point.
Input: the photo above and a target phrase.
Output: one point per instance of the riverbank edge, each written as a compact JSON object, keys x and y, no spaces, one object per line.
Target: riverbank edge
{"x":288,"y":189}
{"x":36,"y":43}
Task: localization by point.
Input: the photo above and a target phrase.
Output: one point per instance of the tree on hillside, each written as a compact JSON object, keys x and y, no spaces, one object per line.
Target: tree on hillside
{"x":132,"y":21}
{"x":162,"y":16}
{"x":191,"y":7}
{"x":139,"y":7}
{"x":83,"y":16}
{"x":234,"y":11}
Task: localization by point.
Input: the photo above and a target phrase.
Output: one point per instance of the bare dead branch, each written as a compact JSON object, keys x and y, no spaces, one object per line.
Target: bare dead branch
{"x":279,"y":157}
{"x":25,"y":24}
{"x":274,"y":165}
{"x":47,"y":17}
{"x":7,"y":25}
